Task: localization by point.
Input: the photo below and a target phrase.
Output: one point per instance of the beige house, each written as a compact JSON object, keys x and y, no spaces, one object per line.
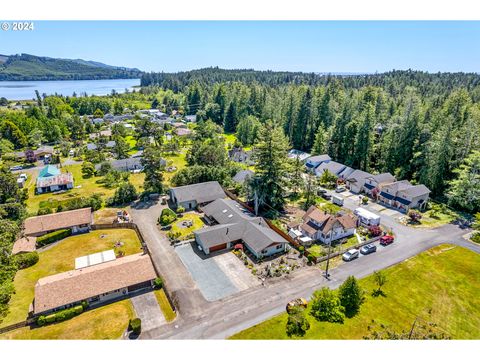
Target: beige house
{"x":78,"y":220}
{"x":94,"y":284}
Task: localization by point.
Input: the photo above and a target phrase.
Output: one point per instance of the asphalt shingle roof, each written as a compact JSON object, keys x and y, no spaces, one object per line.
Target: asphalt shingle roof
{"x":201,"y":192}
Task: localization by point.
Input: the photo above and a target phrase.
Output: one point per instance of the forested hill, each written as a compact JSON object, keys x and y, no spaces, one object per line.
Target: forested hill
{"x":396,"y":79}
{"x":29,"y":67}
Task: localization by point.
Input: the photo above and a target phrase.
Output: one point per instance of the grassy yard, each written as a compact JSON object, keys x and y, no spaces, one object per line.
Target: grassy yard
{"x":177,"y":160}
{"x":86,"y":187}
{"x":322,"y":250}
{"x":105,"y":215}
{"x":60,"y":258}
{"x":197,"y":223}
{"x":438,"y":214}
{"x":132,"y":142}
{"x":440,"y":285}
{"x":106,"y":322}
{"x":165,"y":305}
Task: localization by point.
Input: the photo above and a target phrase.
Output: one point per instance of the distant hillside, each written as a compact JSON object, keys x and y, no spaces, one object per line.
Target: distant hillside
{"x":30,"y":67}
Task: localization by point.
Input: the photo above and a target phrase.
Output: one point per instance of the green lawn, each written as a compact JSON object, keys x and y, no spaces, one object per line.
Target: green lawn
{"x":87,"y":188}
{"x":106,"y":322}
{"x":60,"y":258}
{"x":177,"y":160}
{"x":437,"y":215}
{"x":197,"y":223}
{"x":440,"y":285}
{"x":322,"y":250}
{"x":132,"y":142}
{"x":165,"y":305}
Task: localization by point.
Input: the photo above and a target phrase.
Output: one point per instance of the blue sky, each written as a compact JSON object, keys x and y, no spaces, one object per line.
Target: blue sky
{"x":322,"y":46}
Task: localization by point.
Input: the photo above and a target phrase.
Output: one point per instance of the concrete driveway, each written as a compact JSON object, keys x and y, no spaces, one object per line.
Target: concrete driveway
{"x":147,"y":308}
{"x":216,"y":276}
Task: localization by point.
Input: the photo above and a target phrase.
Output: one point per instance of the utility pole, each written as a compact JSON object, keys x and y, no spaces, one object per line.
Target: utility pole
{"x":327,"y":275}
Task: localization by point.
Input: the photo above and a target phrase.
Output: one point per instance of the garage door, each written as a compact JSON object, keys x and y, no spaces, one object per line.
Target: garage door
{"x":218,"y":247}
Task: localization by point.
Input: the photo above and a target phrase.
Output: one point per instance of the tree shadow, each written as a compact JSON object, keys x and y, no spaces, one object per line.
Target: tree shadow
{"x":378,"y":292}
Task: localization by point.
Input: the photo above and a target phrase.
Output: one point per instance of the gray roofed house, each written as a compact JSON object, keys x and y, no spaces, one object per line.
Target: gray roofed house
{"x":92,"y":146}
{"x":190,"y":196}
{"x":356,"y":180}
{"x":242,"y":176}
{"x":345,"y":173}
{"x":376,"y":181}
{"x":314,"y":161}
{"x":129,"y":164}
{"x":332,"y":166}
{"x":403,"y":195}
{"x":301,"y":155}
{"x":234,"y":224}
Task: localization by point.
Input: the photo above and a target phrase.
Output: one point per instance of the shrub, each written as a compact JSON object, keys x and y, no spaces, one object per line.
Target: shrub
{"x":44,"y":211}
{"x":167,"y":217}
{"x":84,"y":305}
{"x":78,"y":309}
{"x":351,"y":296}
{"x":301,"y":249}
{"x":374,"y":230}
{"x":297,"y":324}
{"x":414,"y":216}
{"x":180,"y":210}
{"x":53,"y":236}
{"x":158,"y":283}
{"x":476,"y":237}
{"x":50,"y":318}
{"x":365,"y":200}
{"x":310,"y":258}
{"x":26,"y":260}
{"x":326,"y":306}
{"x":41,"y":320}
{"x":135,"y":325}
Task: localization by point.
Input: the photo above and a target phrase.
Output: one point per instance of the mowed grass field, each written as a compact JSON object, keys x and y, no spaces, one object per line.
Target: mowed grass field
{"x":106,"y":322}
{"x":87,"y":187}
{"x":441,"y":285}
{"x":61,"y":257}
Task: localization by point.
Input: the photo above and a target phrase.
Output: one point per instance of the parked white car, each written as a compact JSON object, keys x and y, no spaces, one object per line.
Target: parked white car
{"x":350,"y":255}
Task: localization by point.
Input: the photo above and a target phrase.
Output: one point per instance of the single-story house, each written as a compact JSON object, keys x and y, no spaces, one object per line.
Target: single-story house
{"x":40,"y":153}
{"x":129,"y":164}
{"x":78,"y":220}
{"x":301,"y":155}
{"x":183,"y":131}
{"x":25,"y":244}
{"x":404,"y":196}
{"x":314,"y":161}
{"x":319,"y":225}
{"x":376,"y":181}
{"x":51,"y":179}
{"x":191,"y":196}
{"x":243,"y":175}
{"x":94,"y":284}
{"x":106,"y":133}
{"x":356,"y":181}
{"x":233,"y":224}
{"x":239,"y":155}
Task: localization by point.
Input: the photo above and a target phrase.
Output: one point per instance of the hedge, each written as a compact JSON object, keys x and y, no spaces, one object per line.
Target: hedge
{"x":59,"y":316}
{"x":167,"y":217}
{"x":26,"y":260}
{"x":53,"y":236}
{"x":158,"y":283}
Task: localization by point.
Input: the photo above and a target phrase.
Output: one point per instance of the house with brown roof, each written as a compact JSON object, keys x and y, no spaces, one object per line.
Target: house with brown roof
{"x":319,"y":225}
{"x":25,"y":244}
{"x":94,"y":284}
{"x":78,"y":220}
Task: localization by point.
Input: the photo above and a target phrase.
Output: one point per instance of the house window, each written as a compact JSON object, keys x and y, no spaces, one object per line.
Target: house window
{"x":264,"y":251}
{"x":279,"y":246}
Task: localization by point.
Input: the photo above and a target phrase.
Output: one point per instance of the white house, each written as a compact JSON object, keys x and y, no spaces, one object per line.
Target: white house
{"x":314,"y":161}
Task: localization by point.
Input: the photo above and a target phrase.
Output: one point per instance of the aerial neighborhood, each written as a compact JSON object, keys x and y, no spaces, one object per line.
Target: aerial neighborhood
{"x":226,"y":209}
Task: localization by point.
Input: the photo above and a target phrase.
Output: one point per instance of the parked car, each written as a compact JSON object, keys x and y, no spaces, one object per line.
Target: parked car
{"x":17,"y":167}
{"x":326,"y":196}
{"x":350,"y":255}
{"x":23,"y":176}
{"x":340,"y":189}
{"x":297,"y":302}
{"x":321,"y":191}
{"x":368,"y":249}
{"x":386,"y":240}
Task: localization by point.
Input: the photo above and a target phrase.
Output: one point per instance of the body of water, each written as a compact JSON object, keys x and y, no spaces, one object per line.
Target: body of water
{"x":25,"y":90}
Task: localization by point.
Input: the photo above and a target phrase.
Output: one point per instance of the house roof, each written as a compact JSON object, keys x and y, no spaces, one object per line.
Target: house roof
{"x":49,"y":171}
{"x":319,"y":158}
{"x":332,"y":166}
{"x":61,"y":220}
{"x":24,"y":245}
{"x":416,"y":190}
{"x":383,"y":178}
{"x":243,"y":175}
{"x":182,"y":131}
{"x":110,"y":144}
{"x":358,"y":176}
{"x":60,"y":179}
{"x":326,"y":221}
{"x":128,"y":163}
{"x":396,"y":186}
{"x":294,"y":153}
{"x":77,"y":285}
{"x":235,"y":223}
{"x":345,"y":173}
{"x":201,"y":192}
{"x":91,"y":146}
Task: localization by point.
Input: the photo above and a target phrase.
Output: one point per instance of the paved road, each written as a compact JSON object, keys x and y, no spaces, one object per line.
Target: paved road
{"x":200,"y":319}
